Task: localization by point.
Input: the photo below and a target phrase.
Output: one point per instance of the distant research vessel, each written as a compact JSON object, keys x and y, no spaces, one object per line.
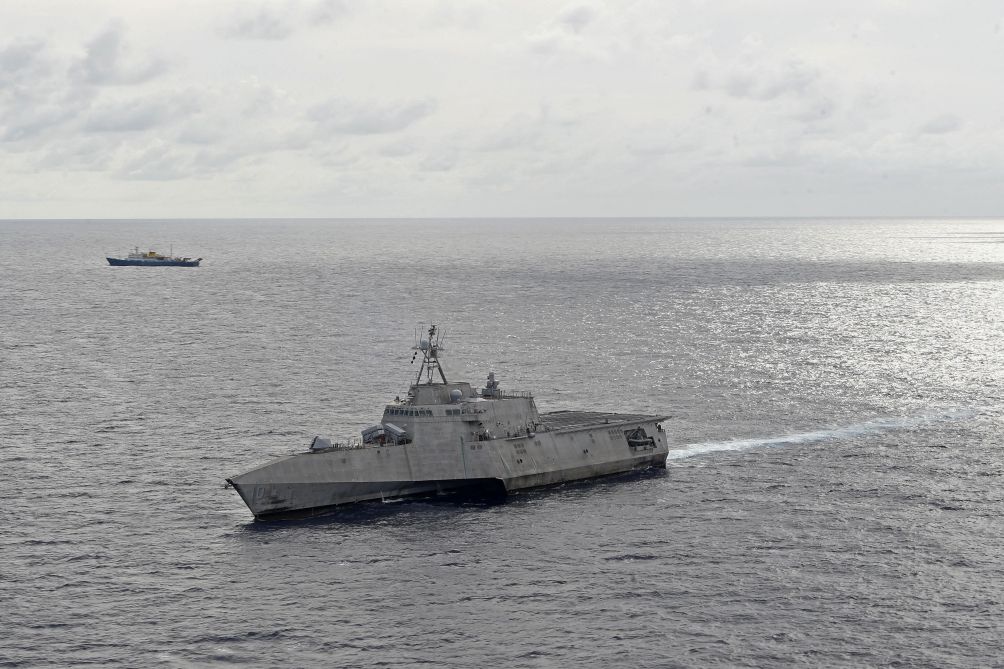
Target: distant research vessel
{"x":152,"y":259}
{"x":447,"y":437}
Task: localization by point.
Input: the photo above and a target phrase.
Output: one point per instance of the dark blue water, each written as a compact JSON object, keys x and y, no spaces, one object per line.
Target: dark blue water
{"x":834,"y":497}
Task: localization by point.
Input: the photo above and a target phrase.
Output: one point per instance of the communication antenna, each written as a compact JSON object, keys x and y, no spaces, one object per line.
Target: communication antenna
{"x":430,"y":349}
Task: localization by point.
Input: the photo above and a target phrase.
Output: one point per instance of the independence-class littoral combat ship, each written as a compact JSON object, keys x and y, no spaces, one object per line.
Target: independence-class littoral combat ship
{"x":448,"y":437}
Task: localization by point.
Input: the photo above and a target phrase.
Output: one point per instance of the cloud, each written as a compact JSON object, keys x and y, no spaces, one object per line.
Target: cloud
{"x":327,"y":12}
{"x":20,"y":127}
{"x":139,"y":113}
{"x":43,"y":91}
{"x":273,"y":22}
{"x":398,"y":149}
{"x":654,"y":143}
{"x":108,"y":61}
{"x":575,"y":18}
{"x":24,"y":61}
{"x":35,"y":93}
{"x":154,"y":158}
{"x":786,"y":96}
{"x":761,"y":82}
{"x":351,"y":117}
{"x":100,"y":109}
{"x":518,"y":132}
{"x":156,"y":162}
{"x":72,"y":113}
{"x":80,"y":155}
{"x":792,"y":98}
{"x":816,"y":110}
{"x":457,"y":13}
{"x":259,"y":23}
{"x":441,"y":161}
{"x":566,"y":33}
{"x":941,"y":125}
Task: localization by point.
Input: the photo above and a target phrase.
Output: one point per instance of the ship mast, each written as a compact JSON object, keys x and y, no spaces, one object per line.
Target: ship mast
{"x":430,"y":348}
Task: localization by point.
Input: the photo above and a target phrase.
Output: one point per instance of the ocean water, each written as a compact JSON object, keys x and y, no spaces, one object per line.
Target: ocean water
{"x":833,"y":498}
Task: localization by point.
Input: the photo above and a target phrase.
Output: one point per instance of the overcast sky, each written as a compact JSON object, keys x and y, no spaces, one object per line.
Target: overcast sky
{"x":343,"y":108}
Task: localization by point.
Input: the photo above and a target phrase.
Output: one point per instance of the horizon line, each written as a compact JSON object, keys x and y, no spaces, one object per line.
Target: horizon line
{"x":507,"y":218}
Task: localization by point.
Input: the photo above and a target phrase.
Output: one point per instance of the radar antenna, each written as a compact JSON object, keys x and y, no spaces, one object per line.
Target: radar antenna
{"x":430,"y":349}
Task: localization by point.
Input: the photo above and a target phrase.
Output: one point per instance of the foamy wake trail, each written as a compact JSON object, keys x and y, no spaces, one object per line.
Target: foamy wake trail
{"x":877,"y":426}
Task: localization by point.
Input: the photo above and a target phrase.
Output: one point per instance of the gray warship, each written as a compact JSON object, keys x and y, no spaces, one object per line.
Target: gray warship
{"x":451,"y":438}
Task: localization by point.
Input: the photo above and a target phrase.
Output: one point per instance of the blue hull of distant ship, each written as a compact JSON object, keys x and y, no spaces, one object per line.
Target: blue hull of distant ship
{"x":153,"y":263}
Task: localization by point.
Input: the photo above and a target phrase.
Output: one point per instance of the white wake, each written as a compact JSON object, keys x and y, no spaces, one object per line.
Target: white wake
{"x":876,"y":426}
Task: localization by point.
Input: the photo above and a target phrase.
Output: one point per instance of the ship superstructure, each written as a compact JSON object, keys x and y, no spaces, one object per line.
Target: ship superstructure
{"x":447,"y":436}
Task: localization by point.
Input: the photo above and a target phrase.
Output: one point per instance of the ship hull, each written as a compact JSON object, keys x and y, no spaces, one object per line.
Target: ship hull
{"x":117,"y":262}
{"x":296,"y":500}
{"x":542,"y":479}
{"x":570,"y":451}
{"x":276,"y":501}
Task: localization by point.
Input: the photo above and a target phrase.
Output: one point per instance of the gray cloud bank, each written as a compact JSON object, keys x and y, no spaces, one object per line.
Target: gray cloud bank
{"x":302,"y":108}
